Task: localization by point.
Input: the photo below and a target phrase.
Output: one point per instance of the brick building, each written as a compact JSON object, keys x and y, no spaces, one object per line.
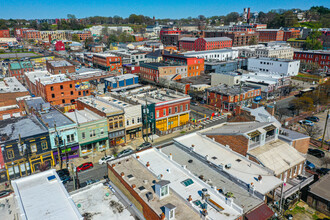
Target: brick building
{"x":10,"y":90}
{"x":153,"y":71}
{"x":267,"y":35}
{"x":18,"y":69}
{"x":320,"y":57}
{"x":83,"y":35}
{"x":240,"y":38}
{"x":229,"y":97}
{"x":21,"y":32}
{"x":4,"y":33}
{"x":107,"y":62}
{"x":95,"y":48}
{"x":59,"y":66}
{"x":195,"y":66}
{"x":198,"y":44}
{"x":32,"y":34}
{"x":166,"y":31}
{"x":292,"y":33}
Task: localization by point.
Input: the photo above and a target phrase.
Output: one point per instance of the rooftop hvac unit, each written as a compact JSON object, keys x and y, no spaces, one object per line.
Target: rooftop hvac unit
{"x":228,"y":166}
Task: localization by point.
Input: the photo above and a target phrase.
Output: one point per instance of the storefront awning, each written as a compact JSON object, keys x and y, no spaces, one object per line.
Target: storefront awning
{"x":90,"y":142}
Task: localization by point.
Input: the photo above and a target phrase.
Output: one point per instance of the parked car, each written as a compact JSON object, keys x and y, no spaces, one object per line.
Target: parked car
{"x":309,"y":165}
{"x":63,"y":172}
{"x":104,"y":159}
{"x":125,"y":152}
{"x":316,"y":152}
{"x":85,"y":166}
{"x":193,"y":103}
{"x":306,"y":122}
{"x":5,"y":193}
{"x":313,"y":118}
{"x":65,"y":179}
{"x":143,"y":146}
{"x":323,"y":171}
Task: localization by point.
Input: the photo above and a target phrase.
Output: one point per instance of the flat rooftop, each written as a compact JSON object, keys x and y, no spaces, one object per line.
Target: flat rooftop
{"x":153,"y":95}
{"x":321,"y":187}
{"x":43,"y":196}
{"x":37,"y":103}
{"x":89,"y":73}
{"x":193,"y":53}
{"x":277,"y":155}
{"x":290,"y":135}
{"x":83,"y":116}
{"x":121,"y":77}
{"x":142,"y":177}
{"x":26,"y":126}
{"x":241,"y":168}
{"x":11,"y":84}
{"x":59,"y":63}
{"x":51,"y":79}
{"x":34,"y":75}
{"x":53,"y":117}
{"x":101,"y":105}
{"x":199,"y":168}
{"x":94,"y":200}
{"x":273,"y":59}
{"x":231,"y":90}
{"x":234,"y":128}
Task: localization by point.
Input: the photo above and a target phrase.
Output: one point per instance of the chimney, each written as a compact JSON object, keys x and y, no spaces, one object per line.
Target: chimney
{"x":162,"y":51}
{"x":189,"y":199}
{"x":170,"y":156}
{"x":148,"y":164}
{"x":248,"y":16}
{"x":270,"y":109}
{"x":255,"y":105}
{"x":122,"y":174}
{"x":171,"y":51}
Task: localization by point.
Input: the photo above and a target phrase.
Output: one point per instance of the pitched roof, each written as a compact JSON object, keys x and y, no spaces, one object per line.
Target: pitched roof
{"x":321,"y":187}
{"x":263,"y":212}
{"x":19,"y":65}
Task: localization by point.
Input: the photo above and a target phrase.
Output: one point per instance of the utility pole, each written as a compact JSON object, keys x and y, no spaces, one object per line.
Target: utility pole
{"x":58,"y":146}
{"x":325,"y":128}
{"x":73,"y":176}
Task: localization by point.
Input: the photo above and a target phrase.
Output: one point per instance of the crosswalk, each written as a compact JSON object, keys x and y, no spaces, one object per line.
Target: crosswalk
{"x":213,"y":121}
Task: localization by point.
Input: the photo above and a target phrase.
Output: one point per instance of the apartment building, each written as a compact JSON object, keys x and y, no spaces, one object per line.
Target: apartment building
{"x":319,"y":57}
{"x":121,"y":82}
{"x":153,"y":71}
{"x":17,"y":69}
{"x":107,"y":62}
{"x":267,"y":35}
{"x":274,"y":65}
{"x":239,"y":38}
{"x":282,"y":51}
{"x":199,"y":44}
{"x":229,"y":97}
{"x":218,"y":55}
{"x":4,"y":33}
{"x":59,"y":67}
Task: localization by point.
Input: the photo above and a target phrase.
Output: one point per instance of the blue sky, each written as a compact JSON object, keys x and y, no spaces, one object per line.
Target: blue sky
{"x":31,"y":9}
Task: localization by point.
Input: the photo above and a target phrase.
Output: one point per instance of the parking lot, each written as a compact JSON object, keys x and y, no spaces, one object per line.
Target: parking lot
{"x":323,"y":116}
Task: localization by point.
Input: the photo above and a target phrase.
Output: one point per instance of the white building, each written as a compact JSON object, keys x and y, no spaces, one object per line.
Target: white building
{"x":229,"y":79}
{"x":219,"y":55}
{"x":274,"y":65}
{"x":97,"y":30}
{"x":282,"y":51}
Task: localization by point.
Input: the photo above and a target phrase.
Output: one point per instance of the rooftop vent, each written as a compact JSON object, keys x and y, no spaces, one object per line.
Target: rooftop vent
{"x":238,"y":160}
{"x":214,"y":158}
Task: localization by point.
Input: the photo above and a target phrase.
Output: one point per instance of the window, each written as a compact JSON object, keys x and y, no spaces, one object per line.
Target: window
{"x":71,"y":92}
{"x":169,"y":111}
{"x":164,"y":191}
{"x":70,"y":85}
{"x":186,"y":107}
{"x":83,"y":135}
{"x":63,"y":101}
{"x":93,"y":133}
{"x":157,"y":113}
{"x":53,"y":95}
{"x":52,"y":88}
{"x":10,"y":154}
{"x":175,"y":109}
{"x":44,"y":145}
{"x":79,"y":93}
{"x":133,"y":121}
{"x":70,"y":138}
{"x":61,"y":86}
{"x":33,"y":147}
{"x":164,"y":112}
{"x":181,"y":108}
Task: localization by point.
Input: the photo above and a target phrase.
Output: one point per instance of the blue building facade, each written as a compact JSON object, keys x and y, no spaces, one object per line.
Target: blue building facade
{"x":116,"y":82}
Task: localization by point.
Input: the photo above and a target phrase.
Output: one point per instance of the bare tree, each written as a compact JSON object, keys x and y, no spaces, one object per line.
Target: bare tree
{"x":312,"y":131}
{"x":281,"y":112}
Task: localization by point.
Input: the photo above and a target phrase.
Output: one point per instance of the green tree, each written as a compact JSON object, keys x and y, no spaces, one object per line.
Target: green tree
{"x":313,"y":42}
{"x":112,"y":39}
{"x":88,"y":41}
{"x":75,"y":37}
{"x":253,"y":41}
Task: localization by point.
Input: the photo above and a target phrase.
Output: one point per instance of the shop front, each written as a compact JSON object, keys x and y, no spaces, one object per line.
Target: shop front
{"x":69,"y":152}
{"x":134,"y":133}
{"x":116,"y":137}
{"x":24,"y":166}
{"x":92,"y":146}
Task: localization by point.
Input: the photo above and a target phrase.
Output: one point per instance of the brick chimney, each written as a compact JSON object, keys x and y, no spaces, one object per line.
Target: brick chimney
{"x":255,"y":105}
{"x":270,"y":109}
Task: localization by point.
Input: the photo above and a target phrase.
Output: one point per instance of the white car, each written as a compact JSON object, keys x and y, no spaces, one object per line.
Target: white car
{"x":104,"y":159}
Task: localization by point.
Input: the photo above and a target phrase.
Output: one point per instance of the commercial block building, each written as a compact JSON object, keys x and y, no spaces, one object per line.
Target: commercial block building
{"x":121,"y":82}
{"x":198,"y":44}
{"x":229,"y":97}
{"x":153,"y":71}
{"x":32,"y":34}
{"x":319,"y":57}
{"x":11,"y":90}
{"x":218,"y":55}
{"x":166,"y":109}
{"x":267,"y":35}
{"x":60,"y":66}
{"x":318,"y":195}
{"x":107,"y":62}
{"x":92,"y":131}
{"x":17,"y":69}
{"x":291,"y":33}
{"x":240,"y":38}
{"x":114,"y":115}
{"x":274,"y":65}
{"x":225,"y":66}
{"x":25,"y":146}
{"x":283,"y":51}
{"x":83,"y":35}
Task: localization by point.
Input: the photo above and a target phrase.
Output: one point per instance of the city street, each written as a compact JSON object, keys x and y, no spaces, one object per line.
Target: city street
{"x":322,"y":116}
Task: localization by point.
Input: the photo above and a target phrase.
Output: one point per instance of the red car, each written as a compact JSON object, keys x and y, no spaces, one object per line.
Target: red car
{"x":85,"y":166}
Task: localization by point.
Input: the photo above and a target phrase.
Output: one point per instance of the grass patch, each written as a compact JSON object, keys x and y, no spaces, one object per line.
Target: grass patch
{"x":182,"y":132}
{"x":297,"y":209}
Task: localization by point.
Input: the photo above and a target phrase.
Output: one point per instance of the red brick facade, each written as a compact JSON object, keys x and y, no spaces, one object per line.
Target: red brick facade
{"x":268,"y":35}
{"x":59,"y":69}
{"x":240,"y":38}
{"x":108,"y":63}
{"x":201,"y":44}
{"x":291,"y":34}
{"x":237,"y":143}
{"x":321,"y":58}
{"x":4,"y":34}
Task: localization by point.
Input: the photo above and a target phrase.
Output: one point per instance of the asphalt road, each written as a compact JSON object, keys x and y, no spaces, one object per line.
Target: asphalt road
{"x":95,"y":173}
{"x":198,"y":112}
{"x":321,"y":124}
{"x":19,"y":55}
